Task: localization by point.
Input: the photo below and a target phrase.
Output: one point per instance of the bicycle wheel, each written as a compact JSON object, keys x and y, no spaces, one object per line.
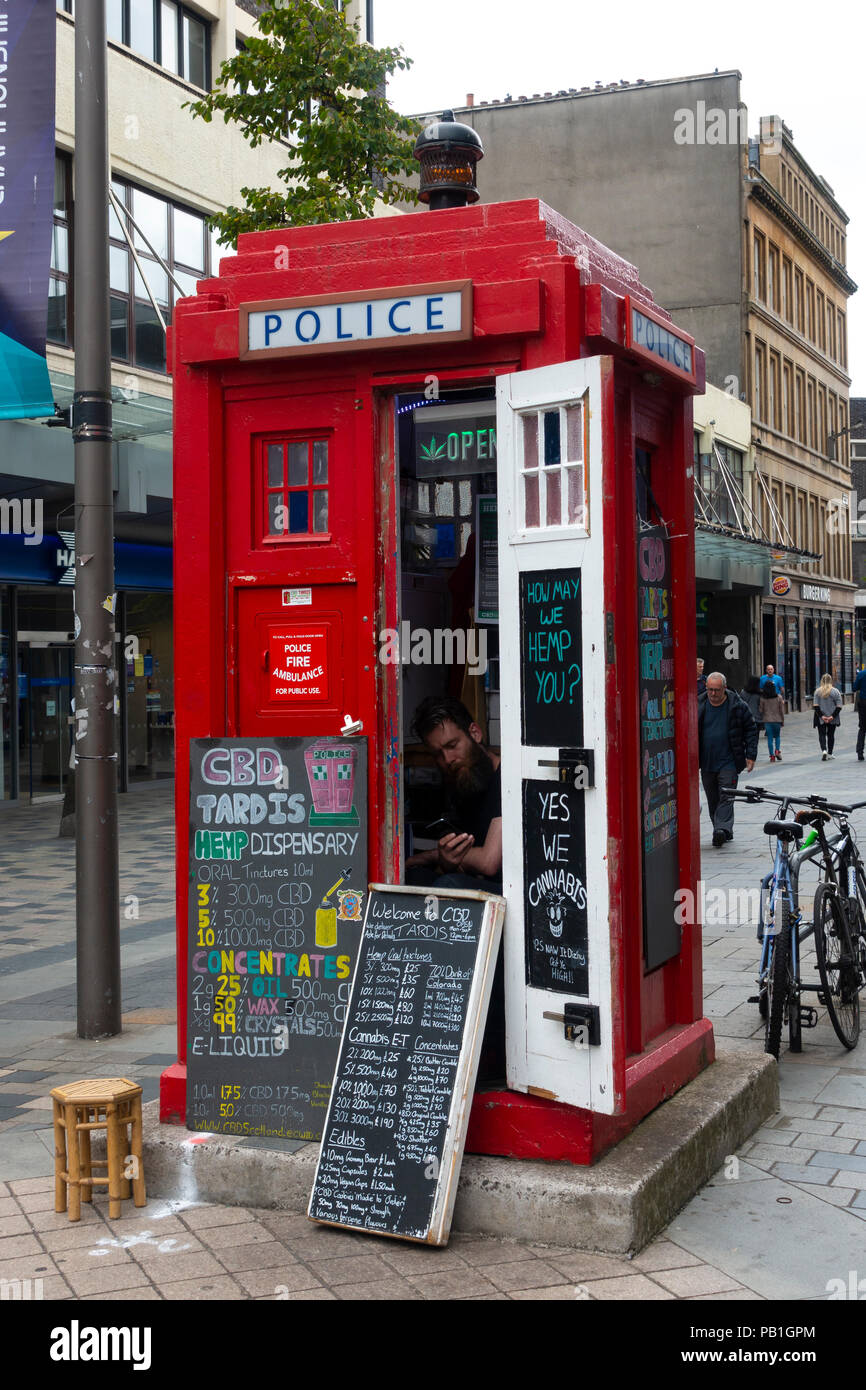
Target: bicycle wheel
{"x":778,"y":981}
{"x":836,"y":965}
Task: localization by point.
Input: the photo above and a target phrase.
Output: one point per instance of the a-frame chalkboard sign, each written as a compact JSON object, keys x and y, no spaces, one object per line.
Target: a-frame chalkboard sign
{"x":396,"y":1125}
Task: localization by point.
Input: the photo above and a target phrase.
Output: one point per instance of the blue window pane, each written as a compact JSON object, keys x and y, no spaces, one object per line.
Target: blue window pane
{"x":446,"y":548}
{"x":552,"y":454}
{"x":298,"y":513}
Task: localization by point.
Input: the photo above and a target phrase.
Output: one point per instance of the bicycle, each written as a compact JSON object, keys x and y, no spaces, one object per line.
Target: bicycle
{"x":840,"y":924}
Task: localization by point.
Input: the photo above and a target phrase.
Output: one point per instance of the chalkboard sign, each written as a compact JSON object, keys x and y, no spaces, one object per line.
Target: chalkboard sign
{"x":551,"y":658}
{"x":554,"y":887}
{"x":277,"y":888}
{"x":396,"y":1125}
{"x":659,"y":844}
{"x":487,"y":560}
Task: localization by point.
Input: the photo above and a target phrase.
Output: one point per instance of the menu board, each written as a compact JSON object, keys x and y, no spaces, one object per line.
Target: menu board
{"x":554,"y":887}
{"x":396,"y":1125}
{"x":659,"y":841}
{"x":277,"y":887}
{"x":551,"y":658}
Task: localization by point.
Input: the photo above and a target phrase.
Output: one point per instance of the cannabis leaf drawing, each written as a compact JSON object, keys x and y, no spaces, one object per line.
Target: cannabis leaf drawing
{"x":433,"y":450}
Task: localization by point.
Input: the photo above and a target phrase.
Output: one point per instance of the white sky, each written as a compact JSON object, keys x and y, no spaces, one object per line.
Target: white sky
{"x":802,"y":61}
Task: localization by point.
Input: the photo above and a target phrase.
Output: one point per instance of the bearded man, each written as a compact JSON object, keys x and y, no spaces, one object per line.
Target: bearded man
{"x":470,"y":854}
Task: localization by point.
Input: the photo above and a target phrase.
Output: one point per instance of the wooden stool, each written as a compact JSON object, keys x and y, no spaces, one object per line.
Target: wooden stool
{"x":109,"y":1103}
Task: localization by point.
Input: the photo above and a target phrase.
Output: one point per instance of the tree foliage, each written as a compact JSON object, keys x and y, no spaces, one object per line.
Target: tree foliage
{"x":307,"y":80}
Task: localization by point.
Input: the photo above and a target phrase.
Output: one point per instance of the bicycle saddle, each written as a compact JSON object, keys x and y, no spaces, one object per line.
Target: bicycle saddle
{"x":785,"y":829}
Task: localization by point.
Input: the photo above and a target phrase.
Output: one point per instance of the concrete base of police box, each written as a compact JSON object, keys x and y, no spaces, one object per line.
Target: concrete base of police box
{"x":615,"y":1207}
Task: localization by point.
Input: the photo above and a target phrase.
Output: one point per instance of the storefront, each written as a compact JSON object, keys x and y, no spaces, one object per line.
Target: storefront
{"x":37,"y":643}
{"x":808,"y":631}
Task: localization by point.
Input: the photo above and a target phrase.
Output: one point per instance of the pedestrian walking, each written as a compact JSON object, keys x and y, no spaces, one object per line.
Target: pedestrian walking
{"x":859,"y":689}
{"x":751,"y":696}
{"x":772,"y":712}
{"x":727,"y":743}
{"x":770,"y":675}
{"x":702,"y":680}
{"x":828,"y":703}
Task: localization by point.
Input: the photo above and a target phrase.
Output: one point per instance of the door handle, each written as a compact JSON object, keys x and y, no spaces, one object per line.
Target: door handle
{"x":267,"y":659}
{"x":575,"y":764}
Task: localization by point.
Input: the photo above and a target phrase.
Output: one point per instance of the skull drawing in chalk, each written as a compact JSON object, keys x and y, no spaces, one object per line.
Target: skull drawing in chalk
{"x":555,"y":918}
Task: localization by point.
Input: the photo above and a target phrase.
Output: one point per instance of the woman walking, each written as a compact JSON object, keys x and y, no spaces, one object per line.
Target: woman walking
{"x":828,"y":703}
{"x":751,"y":696}
{"x":772,"y":713}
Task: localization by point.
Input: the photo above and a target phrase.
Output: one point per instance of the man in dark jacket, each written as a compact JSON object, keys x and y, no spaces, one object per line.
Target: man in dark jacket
{"x":727,"y":743}
{"x":859,"y":689}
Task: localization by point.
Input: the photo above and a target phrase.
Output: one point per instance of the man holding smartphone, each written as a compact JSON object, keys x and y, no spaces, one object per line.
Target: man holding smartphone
{"x":469,"y":849}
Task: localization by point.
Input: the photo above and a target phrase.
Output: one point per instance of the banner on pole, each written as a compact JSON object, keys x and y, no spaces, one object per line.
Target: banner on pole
{"x":27,"y":38}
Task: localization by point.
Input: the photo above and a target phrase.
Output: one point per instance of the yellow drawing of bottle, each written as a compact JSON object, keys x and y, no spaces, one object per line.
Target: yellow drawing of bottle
{"x":326,"y":920}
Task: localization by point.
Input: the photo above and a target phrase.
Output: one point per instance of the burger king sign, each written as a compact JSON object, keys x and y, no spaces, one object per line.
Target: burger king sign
{"x":781,"y":585}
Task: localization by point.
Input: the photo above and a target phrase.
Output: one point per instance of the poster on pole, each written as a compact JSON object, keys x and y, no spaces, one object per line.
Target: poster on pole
{"x":277,"y":888}
{"x":27,"y":39}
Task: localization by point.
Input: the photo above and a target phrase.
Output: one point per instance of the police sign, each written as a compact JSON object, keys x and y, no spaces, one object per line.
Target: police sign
{"x":653,"y":338}
{"x":364,"y":318}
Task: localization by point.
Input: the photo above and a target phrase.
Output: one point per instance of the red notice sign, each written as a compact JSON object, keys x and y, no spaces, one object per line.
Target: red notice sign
{"x":298,"y":664}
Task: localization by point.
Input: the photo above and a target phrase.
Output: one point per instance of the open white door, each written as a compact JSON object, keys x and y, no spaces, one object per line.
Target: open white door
{"x":552,"y":630}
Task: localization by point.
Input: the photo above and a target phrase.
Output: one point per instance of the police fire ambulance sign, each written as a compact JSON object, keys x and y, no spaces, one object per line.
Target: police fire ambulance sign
{"x":298,"y":665}
{"x":361,"y":319}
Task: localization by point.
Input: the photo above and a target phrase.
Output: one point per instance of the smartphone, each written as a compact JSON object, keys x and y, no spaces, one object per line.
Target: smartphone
{"x":437,"y":828}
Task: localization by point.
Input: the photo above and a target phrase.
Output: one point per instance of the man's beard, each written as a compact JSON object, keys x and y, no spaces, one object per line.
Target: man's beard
{"x":471,"y":777}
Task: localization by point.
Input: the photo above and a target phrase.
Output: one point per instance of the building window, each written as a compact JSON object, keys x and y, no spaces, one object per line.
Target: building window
{"x":773,"y":279}
{"x":773,"y":392}
{"x":843,"y":345}
{"x":59,"y":328}
{"x":166,"y":32}
{"x":810,"y":311}
{"x":810,"y":412}
{"x":759,"y":394}
{"x":831,"y":330}
{"x":294,"y":489}
{"x":798,"y":300}
{"x":820,"y":322}
{"x":787,"y":295}
{"x":821,"y":443}
{"x":831,"y":423}
{"x":801,"y":408}
{"x":758,"y":268}
{"x":787,"y":417}
{"x":179,"y":237}
{"x":714,"y":485}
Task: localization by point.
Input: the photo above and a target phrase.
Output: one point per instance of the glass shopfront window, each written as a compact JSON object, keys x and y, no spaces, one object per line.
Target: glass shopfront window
{"x":149,"y":664}
{"x":6,"y":695}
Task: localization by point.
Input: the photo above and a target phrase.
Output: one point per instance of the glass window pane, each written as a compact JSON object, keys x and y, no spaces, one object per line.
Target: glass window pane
{"x":320,"y":510}
{"x":118,"y":262}
{"x":465,"y":533}
{"x":574,"y":433}
{"x":275,"y":465}
{"x":120,"y":328}
{"x":169,"y":37}
{"x":194,"y":51}
{"x":149,"y":339}
{"x":216,"y":251}
{"x":60,"y":204}
{"x":57,"y":304}
{"x":156,"y":278}
{"x":189,"y":239}
{"x":298,"y":513}
{"x":187,"y":282}
{"x":465,"y":488}
{"x":530,"y":441}
{"x":151,"y":214}
{"x":575,"y":502}
{"x":114,"y":228}
{"x":554,"y":500}
{"x":530,"y":499}
{"x":141,"y":17}
{"x":298,"y":466}
{"x":552,"y":451}
{"x":60,"y":249}
{"x":114,"y":20}
{"x":320,"y":462}
{"x":424,"y":497}
{"x":277,"y":514}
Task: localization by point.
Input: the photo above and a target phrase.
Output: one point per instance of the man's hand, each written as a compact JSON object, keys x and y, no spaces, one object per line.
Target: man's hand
{"x":452,"y":849}
{"x":750,"y":763}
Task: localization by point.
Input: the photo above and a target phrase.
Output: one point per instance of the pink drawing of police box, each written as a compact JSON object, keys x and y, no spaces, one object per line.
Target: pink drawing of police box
{"x":331,"y":772}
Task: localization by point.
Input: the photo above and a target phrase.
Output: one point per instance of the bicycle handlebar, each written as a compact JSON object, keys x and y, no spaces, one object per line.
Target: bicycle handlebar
{"x":758,"y":794}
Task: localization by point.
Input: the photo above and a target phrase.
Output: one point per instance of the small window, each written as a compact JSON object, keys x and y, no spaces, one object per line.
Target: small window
{"x":553,"y":486}
{"x":295,"y":491}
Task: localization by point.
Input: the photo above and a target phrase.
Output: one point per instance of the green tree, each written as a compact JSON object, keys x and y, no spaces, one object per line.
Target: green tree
{"x":309,"y":80}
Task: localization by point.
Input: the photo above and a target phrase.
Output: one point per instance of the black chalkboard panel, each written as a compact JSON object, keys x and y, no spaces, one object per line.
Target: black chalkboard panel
{"x":659,"y":841}
{"x":551,"y":659}
{"x":554,"y":887}
{"x":277,"y":888}
{"x":396,"y":1125}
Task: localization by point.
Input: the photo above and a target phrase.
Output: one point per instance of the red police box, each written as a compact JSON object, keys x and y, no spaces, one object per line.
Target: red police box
{"x":474,"y":424}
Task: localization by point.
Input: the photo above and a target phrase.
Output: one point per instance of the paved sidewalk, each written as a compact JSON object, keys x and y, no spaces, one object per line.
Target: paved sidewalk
{"x":798,"y":1187}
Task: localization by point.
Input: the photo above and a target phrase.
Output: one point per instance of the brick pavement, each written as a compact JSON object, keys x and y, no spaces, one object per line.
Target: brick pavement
{"x":800,"y":1183}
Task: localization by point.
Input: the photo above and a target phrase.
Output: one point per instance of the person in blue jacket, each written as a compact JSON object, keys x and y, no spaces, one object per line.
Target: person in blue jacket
{"x":859,"y":688}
